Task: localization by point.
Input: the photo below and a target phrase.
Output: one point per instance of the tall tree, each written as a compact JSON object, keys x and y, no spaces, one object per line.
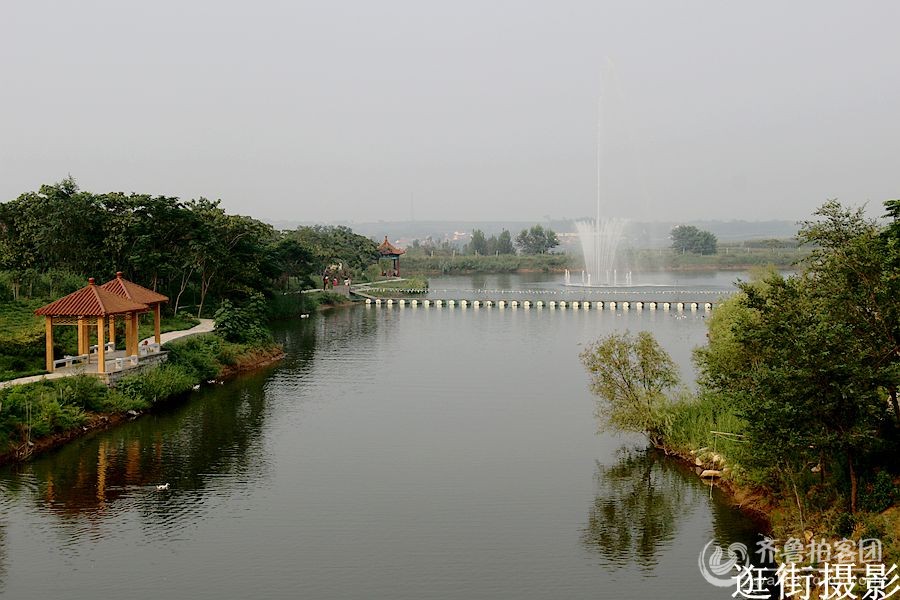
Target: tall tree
{"x":536,"y":240}
{"x":478,"y":245}
{"x":504,"y":243}
{"x":688,"y":238}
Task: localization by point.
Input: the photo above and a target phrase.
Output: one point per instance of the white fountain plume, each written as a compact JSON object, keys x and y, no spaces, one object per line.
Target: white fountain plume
{"x":600,"y":245}
{"x":600,"y":238}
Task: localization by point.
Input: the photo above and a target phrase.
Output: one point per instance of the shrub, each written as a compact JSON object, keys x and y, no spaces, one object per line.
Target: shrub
{"x":880,"y":494}
{"x":243,"y":324}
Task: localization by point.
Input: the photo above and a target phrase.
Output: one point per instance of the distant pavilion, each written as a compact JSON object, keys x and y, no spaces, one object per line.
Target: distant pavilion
{"x":388,"y":250}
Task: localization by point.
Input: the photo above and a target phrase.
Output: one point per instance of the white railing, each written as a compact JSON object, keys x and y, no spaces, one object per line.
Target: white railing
{"x":69,"y":360}
{"x":149,"y":349}
{"x":109,"y":347}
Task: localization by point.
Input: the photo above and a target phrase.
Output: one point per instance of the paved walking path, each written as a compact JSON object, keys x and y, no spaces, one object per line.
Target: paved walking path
{"x":205,"y":326}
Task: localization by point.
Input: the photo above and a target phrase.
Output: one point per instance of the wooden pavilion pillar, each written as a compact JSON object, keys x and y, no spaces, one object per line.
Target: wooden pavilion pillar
{"x":48,"y":330}
{"x":112,"y":329}
{"x":101,"y":345}
{"x":129,"y":334}
{"x":156,"y":320}
{"x":131,"y":341}
{"x":84,"y":346}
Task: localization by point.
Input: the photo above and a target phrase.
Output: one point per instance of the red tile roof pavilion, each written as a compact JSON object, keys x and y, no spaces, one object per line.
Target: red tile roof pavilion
{"x":92,"y":307}
{"x":137,"y":293}
{"x":91,"y":301}
{"x":132,"y":291}
{"x":388,"y":250}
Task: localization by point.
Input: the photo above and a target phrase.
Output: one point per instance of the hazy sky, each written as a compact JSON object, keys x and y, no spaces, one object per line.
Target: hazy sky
{"x":364,"y":110}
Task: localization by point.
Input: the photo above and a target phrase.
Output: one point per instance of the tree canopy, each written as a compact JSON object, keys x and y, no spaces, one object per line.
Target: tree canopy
{"x":687,"y":238}
{"x":193,"y":250}
{"x":536,"y":240}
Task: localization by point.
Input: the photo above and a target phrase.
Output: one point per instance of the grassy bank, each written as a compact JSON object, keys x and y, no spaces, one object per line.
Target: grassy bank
{"x":662,"y":259}
{"x":40,"y":415}
{"x":727,"y":258}
{"x":504,"y":263}
{"x":696,"y":429}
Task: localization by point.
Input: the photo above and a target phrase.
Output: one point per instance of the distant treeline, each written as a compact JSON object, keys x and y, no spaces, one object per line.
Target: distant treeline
{"x":191,"y":250}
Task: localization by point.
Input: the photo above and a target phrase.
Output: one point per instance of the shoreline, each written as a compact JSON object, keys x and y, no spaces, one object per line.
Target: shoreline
{"x":756,"y":504}
{"x":99,"y":422}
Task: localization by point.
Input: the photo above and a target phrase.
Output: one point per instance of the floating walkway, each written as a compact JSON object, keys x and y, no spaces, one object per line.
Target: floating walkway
{"x":638,"y":305}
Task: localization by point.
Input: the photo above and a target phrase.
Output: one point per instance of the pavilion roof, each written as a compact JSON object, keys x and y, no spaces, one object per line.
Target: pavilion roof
{"x":91,"y":301}
{"x":388,"y":249}
{"x":132,"y":291}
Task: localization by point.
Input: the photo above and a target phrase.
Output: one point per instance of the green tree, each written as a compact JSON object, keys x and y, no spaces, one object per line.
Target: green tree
{"x":478,"y":245}
{"x":536,"y":240}
{"x":504,"y":243}
{"x":631,"y":375}
{"x":687,"y":238}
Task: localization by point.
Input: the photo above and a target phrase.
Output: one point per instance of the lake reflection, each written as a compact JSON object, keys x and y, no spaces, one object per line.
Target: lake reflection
{"x":636,"y":512}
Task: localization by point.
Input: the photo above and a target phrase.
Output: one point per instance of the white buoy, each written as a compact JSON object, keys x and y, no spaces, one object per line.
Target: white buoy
{"x":402,"y":302}
{"x":368,"y":301}
{"x":501,"y":304}
{"x":390,"y":301}
{"x":708,"y":306}
{"x":552,"y":304}
{"x":415,"y":303}
{"x":653,"y":306}
{"x":626,"y":305}
{"x":378,"y":301}
{"x":427,"y":303}
{"x":463,"y":303}
{"x":666,"y":306}
{"x":586,"y":305}
{"x":527,"y":304}
{"x":488,"y":303}
{"x":439,"y":303}
{"x":562,"y":304}
{"x":575,"y":304}
{"x":476,"y":304}
{"x":693,"y":306}
{"x":514,"y":304}
{"x":639,"y":305}
{"x":612,"y":305}
{"x":540,"y":304}
{"x":680,"y":306}
{"x":451,"y":303}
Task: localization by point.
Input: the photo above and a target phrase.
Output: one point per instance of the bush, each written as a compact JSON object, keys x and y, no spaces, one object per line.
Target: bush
{"x":155,"y":385}
{"x":243,"y":324}
{"x":197,"y":354}
{"x":880,"y":494}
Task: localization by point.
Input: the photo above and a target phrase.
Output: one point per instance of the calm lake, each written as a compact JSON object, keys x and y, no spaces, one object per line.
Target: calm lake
{"x":396,"y":453}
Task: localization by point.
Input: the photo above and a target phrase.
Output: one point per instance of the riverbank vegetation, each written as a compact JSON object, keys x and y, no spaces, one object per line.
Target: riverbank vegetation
{"x":504,"y":263}
{"x":797,"y":391}
{"x":39,"y":415}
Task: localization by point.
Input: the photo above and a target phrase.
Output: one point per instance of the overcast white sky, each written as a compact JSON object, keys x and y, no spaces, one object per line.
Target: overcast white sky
{"x":480,"y":110}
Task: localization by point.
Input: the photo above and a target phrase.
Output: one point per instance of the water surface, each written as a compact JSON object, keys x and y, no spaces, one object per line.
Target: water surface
{"x":396,"y":453}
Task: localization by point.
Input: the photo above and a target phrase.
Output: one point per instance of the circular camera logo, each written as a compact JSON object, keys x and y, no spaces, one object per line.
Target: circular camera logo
{"x":719,"y":565}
